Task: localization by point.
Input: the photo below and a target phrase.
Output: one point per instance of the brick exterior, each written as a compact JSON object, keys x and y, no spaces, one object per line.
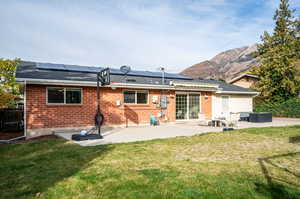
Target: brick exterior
{"x":245,"y":82}
{"x":41,"y":115}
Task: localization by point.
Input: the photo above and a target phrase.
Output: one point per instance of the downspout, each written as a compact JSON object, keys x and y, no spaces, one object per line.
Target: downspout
{"x":25,"y":110}
{"x":163,"y":113}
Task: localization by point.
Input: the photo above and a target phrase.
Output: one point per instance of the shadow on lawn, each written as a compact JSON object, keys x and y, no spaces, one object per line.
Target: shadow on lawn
{"x":274,"y":186}
{"x":32,"y":168}
{"x":294,"y":140}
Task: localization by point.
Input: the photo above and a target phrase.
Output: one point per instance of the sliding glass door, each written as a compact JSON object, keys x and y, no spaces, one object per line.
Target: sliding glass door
{"x":181,"y":107}
{"x":187,"y":106}
{"x":194,"y":106}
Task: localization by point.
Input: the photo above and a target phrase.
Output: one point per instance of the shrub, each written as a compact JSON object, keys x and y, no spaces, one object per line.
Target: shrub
{"x":289,"y":108}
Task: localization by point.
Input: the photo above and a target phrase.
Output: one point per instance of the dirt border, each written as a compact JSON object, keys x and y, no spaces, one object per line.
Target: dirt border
{"x":296,"y":117}
{"x":23,"y":140}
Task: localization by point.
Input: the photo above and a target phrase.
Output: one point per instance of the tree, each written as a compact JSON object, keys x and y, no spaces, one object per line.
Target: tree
{"x":279,"y":53}
{"x":297,"y":44}
{"x":9,"y":89}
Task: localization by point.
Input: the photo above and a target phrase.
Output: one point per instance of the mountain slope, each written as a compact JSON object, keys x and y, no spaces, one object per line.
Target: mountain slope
{"x":225,"y":65}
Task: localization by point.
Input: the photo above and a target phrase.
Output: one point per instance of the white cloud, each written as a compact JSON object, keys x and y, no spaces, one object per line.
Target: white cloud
{"x":143,"y":34}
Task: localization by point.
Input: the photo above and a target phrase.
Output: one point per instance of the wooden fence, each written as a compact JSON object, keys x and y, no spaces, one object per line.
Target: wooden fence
{"x":11,"y":119}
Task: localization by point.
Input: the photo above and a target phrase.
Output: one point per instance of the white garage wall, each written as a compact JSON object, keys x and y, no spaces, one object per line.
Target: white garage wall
{"x":237,"y":103}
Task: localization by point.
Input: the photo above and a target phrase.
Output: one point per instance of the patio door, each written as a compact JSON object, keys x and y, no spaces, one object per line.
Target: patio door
{"x":181,"y":106}
{"x":194,"y":106}
{"x":225,"y":106}
{"x":187,"y":106}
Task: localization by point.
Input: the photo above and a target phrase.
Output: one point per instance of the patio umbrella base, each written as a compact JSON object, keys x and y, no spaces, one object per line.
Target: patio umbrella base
{"x":228,"y":129}
{"x":78,"y":137}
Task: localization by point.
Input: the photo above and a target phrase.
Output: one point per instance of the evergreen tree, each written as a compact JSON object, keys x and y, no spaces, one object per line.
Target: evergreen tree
{"x":279,"y":53}
{"x":297,"y":46}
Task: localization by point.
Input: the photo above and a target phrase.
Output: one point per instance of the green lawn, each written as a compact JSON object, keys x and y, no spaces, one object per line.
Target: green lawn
{"x":250,"y":163}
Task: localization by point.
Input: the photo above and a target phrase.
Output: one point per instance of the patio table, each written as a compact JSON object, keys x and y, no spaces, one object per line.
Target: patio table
{"x":216,"y":122}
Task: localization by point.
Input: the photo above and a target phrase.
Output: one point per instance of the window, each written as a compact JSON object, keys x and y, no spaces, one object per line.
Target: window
{"x":129,"y":97}
{"x":141,"y":97}
{"x":56,"y":95}
{"x":135,"y":97}
{"x":64,"y":95}
{"x":73,"y":96}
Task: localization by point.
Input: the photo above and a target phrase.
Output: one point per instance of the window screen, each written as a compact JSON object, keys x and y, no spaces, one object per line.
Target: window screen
{"x":73,"y":96}
{"x":64,"y":95}
{"x":135,"y":97}
{"x":129,"y":97}
{"x":141,"y":97}
{"x":56,"y":95}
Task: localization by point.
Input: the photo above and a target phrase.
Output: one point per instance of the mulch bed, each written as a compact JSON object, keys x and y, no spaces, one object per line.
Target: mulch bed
{"x":10,"y":135}
{"x":287,"y":116}
{"x":23,"y":140}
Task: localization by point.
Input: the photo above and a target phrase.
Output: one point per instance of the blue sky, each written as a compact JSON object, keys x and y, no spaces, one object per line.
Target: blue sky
{"x":144,"y":34}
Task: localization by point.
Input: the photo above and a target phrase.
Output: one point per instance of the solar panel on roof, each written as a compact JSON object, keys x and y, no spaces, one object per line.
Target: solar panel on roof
{"x":113,"y":71}
{"x":116,"y":71}
{"x":94,"y":69}
{"x":50,"y":66}
{"x":82,"y":68}
{"x":68,"y":67}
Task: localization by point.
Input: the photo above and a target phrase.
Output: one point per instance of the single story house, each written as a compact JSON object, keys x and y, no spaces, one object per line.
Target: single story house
{"x":65,"y":96}
{"x":244,"y":80}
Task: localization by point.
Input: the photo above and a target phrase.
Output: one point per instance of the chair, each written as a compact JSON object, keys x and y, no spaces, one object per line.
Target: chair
{"x":232,"y":121}
{"x":202,"y":120}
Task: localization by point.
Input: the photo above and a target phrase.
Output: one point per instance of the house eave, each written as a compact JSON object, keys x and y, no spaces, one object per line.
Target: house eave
{"x":56,"y":82}
{"x":241,"y":76}
{"x":238,"y":92}
{"x":113,"y":85}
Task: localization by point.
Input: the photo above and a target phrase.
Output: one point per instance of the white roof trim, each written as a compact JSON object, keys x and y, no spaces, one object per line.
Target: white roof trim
{"x":206,"y":87}
{"x":238,"y":92}
{"x":240,"y":76}
{"x":56,"y":82}
{"x":89,"y":83}
{"x":194,"y":85}
{"x":165,"y":87}
{"x":148,"y":86}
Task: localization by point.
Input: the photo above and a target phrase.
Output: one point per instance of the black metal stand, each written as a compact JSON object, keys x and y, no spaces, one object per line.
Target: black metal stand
{"x":103,"y":78}
{"x":98,"y":114}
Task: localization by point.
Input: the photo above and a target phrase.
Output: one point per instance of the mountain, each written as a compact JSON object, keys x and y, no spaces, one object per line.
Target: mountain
{"x":225,"y":65}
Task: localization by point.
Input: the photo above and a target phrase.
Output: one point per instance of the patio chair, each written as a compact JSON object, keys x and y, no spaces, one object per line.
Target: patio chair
{"x":232,"y":121}
{"x":202,"y":120}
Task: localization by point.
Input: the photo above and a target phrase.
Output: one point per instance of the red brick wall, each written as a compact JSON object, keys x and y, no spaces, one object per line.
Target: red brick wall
{"x":41,"y":115}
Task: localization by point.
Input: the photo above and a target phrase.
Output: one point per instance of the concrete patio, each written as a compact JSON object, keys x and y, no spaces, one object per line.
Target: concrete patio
{"x":142,"y":133}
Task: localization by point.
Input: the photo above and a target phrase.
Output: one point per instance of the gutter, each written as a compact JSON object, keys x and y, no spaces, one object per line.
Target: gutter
{"x":148,"y":86}
{"x":238,"y":92}
{"x":195,"y":85}
{"x":201,"y":87}
{"x":114,"y":85}
{"x":56,"y":82}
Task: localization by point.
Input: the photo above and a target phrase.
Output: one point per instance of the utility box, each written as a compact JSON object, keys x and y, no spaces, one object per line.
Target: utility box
{"x":155,"y":99}
{"x":163,"y":102}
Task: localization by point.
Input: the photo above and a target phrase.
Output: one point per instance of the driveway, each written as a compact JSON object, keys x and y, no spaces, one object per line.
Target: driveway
{"x":142,"y":133}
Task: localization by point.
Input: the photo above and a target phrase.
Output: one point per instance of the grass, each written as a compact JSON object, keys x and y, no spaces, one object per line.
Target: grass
{"x":249,"y":163}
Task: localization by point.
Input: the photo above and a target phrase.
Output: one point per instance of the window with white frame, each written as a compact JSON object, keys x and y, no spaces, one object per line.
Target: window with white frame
{"x":64,"y":95}
{"x":135,"y":97}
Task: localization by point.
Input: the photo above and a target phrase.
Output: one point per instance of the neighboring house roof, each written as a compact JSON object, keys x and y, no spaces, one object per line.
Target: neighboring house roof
{"x":29,"y":72}
{"x":241,"y":76}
